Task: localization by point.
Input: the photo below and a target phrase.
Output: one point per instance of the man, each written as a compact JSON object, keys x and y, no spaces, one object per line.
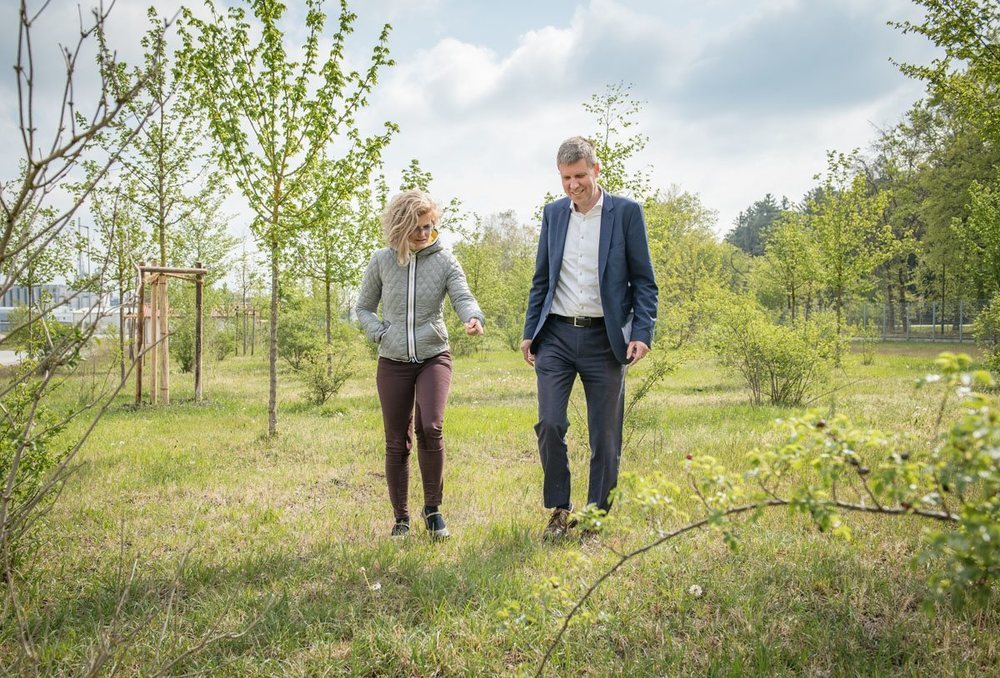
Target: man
{"x":591,"y":312}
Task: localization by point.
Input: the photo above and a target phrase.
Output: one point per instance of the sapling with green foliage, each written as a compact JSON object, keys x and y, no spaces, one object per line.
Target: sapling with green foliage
{"x":273,"y":116}
{"x":828,"y":467}
{"x":615,"y":113}
{"x":498,"y":257}
{"x":790,"y":262}
{"x":692,"y":267}
{"x":174,"y":187}
{"x":341,"y":228}
{"x":850,"y":233}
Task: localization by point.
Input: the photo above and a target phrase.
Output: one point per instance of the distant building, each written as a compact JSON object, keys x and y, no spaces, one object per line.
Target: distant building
{"x":67,"y":307}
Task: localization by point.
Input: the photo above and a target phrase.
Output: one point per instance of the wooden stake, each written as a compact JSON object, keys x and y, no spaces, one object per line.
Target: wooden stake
{"x":165,"y":343}
{"x":154,"y":335}
{"x":199,"y":284}
{"x":140,"y":333}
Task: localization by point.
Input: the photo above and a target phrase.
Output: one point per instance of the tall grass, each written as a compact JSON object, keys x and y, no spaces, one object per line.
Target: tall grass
{"x":294,"y":530}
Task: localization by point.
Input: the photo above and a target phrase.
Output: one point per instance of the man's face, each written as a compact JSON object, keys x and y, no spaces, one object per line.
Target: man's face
{"x":579,"y":181}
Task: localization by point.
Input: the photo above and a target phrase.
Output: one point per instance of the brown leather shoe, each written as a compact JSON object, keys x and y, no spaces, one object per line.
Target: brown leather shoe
{"x":560,"y":522}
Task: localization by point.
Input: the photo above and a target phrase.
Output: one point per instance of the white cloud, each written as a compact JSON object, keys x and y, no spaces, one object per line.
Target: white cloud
{"x":741,"y":98}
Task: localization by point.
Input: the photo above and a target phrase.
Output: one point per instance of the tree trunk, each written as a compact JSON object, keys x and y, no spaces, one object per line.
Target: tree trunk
{"x":944,"y":273}
{"x":329,"y":329}
{"x":839,"y":304}
{"x":902,"y":302}
{"x":244,"y":324}
{"x":272,"y":359}
{"x":121,"y":330}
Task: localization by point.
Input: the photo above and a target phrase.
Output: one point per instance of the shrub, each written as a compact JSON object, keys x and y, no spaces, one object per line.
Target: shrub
{"x":324,"y":373}
{"x":27,"y":459}
{"x":224,"y":344}
{"x":868,"y":336}
{"x":301,"y":330}
{"x":324,"y":369}
{"x":781,"y":363}
{"x":182,"y":343}
{"x":41,"y":336}
{"x":821,"y":470}
{"x":986,"y":330}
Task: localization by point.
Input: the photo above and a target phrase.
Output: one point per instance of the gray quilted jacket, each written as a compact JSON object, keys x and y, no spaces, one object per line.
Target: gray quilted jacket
{"x":412,"y":325}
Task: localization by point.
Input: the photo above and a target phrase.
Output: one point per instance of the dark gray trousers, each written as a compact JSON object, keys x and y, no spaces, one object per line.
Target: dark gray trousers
{"x":564,"y":351}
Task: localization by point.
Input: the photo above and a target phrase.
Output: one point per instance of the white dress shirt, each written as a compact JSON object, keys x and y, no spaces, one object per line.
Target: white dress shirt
{"x":578,"y":290}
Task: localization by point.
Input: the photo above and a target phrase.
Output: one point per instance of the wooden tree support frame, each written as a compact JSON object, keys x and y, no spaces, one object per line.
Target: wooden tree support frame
{"x":157,"y":344}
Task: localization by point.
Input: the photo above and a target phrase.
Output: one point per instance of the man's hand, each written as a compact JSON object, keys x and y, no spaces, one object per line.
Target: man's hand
{"x":529,"y":357}
{"x":637,"y":350}
{"x":473,"y":327}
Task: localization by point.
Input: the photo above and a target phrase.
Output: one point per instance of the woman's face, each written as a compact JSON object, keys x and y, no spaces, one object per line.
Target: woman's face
{"x":420,"y":236}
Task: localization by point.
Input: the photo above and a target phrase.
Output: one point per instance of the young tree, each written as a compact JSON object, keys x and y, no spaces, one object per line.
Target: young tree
{"x":979,"y":237}
{"x":615,"y":112}
{"x":415,"y":177}
{"x":969,"y":73}
{"x":36,"y":448}
{"x":202,"y":235}
{"x":691,"y":265}
{"x":168,"y":162}
{"x":122,"y":244}
{"x":273,"y":117}
{"x":342,"y":227}
{"x":250,"y":283}
{"x":850,"y":232}
{"x":498,"y":257}
{"x":790,"y":258}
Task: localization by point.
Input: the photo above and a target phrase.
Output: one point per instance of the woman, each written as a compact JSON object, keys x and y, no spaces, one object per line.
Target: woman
{"x":410,"y":278}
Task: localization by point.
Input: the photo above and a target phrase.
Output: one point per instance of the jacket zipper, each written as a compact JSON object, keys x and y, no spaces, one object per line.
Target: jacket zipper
{"x":411,"y":310}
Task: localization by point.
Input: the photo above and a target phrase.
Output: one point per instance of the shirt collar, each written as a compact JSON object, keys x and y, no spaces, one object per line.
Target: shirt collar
{"x":599,"y":205}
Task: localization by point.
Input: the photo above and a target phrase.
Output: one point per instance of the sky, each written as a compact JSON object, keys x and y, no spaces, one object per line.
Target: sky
{"x":739,"y":98}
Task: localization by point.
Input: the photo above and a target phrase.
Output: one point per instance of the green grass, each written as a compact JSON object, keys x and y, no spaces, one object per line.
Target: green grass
{"x":294,"y":531}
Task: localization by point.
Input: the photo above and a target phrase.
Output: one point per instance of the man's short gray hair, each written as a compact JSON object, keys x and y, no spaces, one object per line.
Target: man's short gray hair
{"x":574,"y":149}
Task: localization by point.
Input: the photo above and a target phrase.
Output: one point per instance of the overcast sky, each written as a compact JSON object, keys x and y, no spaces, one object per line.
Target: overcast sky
{"x":741,"y":97}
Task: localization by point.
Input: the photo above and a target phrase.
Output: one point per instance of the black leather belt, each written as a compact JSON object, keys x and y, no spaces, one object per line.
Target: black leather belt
{"x":578,"y":321}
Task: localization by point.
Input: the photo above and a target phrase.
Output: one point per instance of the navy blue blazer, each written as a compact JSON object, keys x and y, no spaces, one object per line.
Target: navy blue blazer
{"x":628,"y":286}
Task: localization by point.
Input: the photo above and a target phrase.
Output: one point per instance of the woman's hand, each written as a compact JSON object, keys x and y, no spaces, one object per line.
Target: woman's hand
{"x":473,"y":327}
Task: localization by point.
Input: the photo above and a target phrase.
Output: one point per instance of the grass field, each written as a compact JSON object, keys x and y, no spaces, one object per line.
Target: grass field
{"x":293,"y":533}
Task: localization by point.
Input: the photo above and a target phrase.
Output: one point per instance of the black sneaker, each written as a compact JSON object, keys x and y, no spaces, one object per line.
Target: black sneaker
{"x":401,"y":528}
{"x":435,"y":525}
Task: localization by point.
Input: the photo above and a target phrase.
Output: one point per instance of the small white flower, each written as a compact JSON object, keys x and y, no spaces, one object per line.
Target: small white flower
{"x":376,"y":586}
{"x":695,"y":590}
{"x":963,"y":391}
{"x":932,"y":378}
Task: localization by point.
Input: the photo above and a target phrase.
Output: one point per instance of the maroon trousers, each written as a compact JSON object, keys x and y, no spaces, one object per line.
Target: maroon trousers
{"x":413,"y":396}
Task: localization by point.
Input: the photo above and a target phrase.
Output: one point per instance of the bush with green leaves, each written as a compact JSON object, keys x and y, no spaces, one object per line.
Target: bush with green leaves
{"x":868,"y":337}
{"x":826,"y":468}
{"x":218,"y":340}
{"x":37,"y":334}
{"x":301,"y":330}
{"x":986,"y":330}
{"x":778,"y":362}
{"x":325,"y":369}
{"x":29,"y":453}
{"x":224,"y":343}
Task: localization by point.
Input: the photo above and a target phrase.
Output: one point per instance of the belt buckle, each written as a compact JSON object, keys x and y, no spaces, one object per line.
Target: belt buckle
{"x":577,"y":321}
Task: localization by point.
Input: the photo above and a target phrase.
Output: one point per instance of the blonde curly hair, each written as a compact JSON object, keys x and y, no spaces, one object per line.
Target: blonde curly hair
{"x":401,"y":217}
